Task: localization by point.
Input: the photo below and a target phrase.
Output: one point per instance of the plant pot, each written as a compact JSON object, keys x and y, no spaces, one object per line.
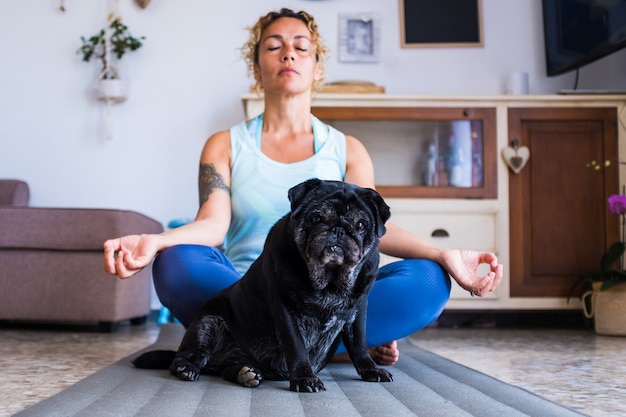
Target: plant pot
{"x":608,"y":308}
{"x":113,"y":90}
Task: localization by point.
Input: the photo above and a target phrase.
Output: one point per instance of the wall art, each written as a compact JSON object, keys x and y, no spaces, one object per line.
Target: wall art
{"x":359,"y":37}
{"x":441,"y":23}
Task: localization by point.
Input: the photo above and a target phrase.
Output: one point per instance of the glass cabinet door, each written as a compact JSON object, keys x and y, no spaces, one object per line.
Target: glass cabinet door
{"x":424,"y":152}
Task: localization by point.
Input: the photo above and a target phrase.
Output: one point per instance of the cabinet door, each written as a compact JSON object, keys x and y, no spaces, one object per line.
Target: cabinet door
{"x":559,"y":224}
{"x":424,"y":152}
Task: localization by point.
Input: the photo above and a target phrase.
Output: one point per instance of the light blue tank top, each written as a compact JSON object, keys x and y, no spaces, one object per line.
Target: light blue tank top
{"x":259,"y":184}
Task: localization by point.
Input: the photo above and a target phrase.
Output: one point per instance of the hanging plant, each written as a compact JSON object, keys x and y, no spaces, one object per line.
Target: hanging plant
{"x":110,"y":43}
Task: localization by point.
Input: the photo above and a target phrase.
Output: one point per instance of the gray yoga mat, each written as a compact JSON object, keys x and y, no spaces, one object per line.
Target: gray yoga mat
{"x":424,"y":384}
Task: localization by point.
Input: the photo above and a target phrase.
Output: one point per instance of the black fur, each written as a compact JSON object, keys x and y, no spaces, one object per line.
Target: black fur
{"x":307,"y":291}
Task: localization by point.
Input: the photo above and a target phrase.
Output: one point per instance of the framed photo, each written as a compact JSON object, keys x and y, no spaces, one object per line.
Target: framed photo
{"x":359,"y":37}
{"x":441,"y":23}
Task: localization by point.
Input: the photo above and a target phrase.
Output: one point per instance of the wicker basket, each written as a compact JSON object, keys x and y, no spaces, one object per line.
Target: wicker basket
{"x":608,"y":309}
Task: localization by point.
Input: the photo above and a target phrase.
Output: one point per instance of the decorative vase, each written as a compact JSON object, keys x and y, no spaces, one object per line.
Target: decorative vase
{"x":112,"y":90}
{"x":608,"y":308}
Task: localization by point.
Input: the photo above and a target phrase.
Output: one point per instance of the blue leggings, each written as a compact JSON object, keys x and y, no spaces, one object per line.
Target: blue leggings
{"x":408,"y":295}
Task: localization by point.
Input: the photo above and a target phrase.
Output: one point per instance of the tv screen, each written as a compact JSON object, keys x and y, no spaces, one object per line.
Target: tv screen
{"x":577,"y":32}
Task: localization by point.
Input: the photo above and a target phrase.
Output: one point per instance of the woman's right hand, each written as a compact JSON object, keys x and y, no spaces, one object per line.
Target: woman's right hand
{"x":125,"y":256}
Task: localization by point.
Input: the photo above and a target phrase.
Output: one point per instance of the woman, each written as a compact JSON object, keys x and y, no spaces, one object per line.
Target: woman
{"x":245,"y":173}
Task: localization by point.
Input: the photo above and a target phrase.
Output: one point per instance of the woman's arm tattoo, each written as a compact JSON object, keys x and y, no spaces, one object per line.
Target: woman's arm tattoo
{"x":208,"y":181}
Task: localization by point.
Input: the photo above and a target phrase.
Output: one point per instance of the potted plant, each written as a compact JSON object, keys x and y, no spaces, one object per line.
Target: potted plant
{"x":601,"y":292}
{"x":109,"y":44}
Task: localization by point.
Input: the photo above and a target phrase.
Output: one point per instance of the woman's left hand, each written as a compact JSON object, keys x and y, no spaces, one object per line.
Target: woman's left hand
{"x":462,"y":265}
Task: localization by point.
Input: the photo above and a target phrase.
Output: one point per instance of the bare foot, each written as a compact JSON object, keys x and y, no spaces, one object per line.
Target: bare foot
{"x":386,"y":354}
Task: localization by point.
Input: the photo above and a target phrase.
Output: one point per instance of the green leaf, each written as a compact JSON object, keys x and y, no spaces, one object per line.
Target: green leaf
{"x":611,"y":256}
{"x":585,"y":279}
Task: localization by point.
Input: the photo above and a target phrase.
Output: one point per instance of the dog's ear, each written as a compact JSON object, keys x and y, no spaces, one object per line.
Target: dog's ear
{"x":383,"y":213}
{"x":298,"y":192}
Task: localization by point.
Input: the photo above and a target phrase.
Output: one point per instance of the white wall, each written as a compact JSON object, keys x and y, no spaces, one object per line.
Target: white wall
{"x":186,"y":83}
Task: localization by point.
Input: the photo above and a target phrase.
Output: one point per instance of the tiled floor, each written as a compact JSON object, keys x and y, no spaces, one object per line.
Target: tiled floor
{"x":573,"y":367}
{"x":35,"y":364}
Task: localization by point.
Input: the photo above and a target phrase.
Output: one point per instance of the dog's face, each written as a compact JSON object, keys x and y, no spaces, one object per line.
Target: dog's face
{"x":335,"y":225}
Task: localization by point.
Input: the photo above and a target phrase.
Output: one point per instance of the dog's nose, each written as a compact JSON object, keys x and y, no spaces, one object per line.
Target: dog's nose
{"x":338,"y":231}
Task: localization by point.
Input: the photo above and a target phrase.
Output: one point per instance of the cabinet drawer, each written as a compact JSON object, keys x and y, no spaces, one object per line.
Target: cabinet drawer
{"x":455,"y":231}
{"x":458,"y":230}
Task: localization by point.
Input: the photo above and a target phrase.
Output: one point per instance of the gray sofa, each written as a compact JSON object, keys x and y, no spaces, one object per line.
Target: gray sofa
{"x":51,"y":263}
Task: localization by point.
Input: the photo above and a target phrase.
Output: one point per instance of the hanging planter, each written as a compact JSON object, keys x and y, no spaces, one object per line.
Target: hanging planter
{"x":108,"y":45}
{"x":112,"y":90}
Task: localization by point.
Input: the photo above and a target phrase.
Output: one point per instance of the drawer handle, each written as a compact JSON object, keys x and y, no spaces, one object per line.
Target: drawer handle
{"x":440,"y":233}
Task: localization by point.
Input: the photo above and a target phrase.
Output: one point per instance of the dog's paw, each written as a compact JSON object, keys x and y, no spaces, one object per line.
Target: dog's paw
{"x":187,"y":373}
{"x":185,"y":370}
{"x":306,"y":384}
{"x":249,"y":377}
{"x":377,"y":375}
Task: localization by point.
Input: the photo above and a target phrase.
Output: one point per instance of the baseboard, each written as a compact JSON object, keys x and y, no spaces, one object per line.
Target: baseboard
{"x":100,"y":327}
{"x":565,"y":319}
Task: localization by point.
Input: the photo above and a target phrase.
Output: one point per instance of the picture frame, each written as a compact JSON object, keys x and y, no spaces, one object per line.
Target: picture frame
{"x":359,"y":37}
{"x":441,"y":23}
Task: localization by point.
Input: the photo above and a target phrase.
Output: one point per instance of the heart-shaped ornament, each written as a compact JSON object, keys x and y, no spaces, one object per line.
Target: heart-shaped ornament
{"x":142,"y":3}
{"x":516,"y":157}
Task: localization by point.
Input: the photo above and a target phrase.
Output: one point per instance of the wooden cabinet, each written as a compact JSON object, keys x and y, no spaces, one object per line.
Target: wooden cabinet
{"x":559,"y":225}
{"x":547,"y":224}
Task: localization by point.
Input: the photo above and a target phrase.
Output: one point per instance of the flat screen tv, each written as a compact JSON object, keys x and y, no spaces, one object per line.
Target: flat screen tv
{"x":578,"y":32}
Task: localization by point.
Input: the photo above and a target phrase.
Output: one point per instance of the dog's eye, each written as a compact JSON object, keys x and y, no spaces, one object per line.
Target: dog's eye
{"x":360,"y":226}
{"x":315,"y":219}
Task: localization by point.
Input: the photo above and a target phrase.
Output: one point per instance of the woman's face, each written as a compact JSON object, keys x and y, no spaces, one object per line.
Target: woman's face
{"x":287,"y":57}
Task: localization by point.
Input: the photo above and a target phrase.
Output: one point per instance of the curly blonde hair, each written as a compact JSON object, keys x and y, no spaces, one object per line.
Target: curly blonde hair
{"x":250,"y":49}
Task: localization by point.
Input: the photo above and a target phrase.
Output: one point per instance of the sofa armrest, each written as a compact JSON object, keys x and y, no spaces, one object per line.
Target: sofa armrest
{"x":14,"y":193}
{"x":69,"y":228}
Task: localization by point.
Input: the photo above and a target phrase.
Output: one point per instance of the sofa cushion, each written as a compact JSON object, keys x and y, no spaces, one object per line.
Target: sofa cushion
{"x":68,"y":228}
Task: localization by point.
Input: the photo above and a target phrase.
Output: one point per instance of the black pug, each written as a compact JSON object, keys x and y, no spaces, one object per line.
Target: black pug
{"x":283,"y":319}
